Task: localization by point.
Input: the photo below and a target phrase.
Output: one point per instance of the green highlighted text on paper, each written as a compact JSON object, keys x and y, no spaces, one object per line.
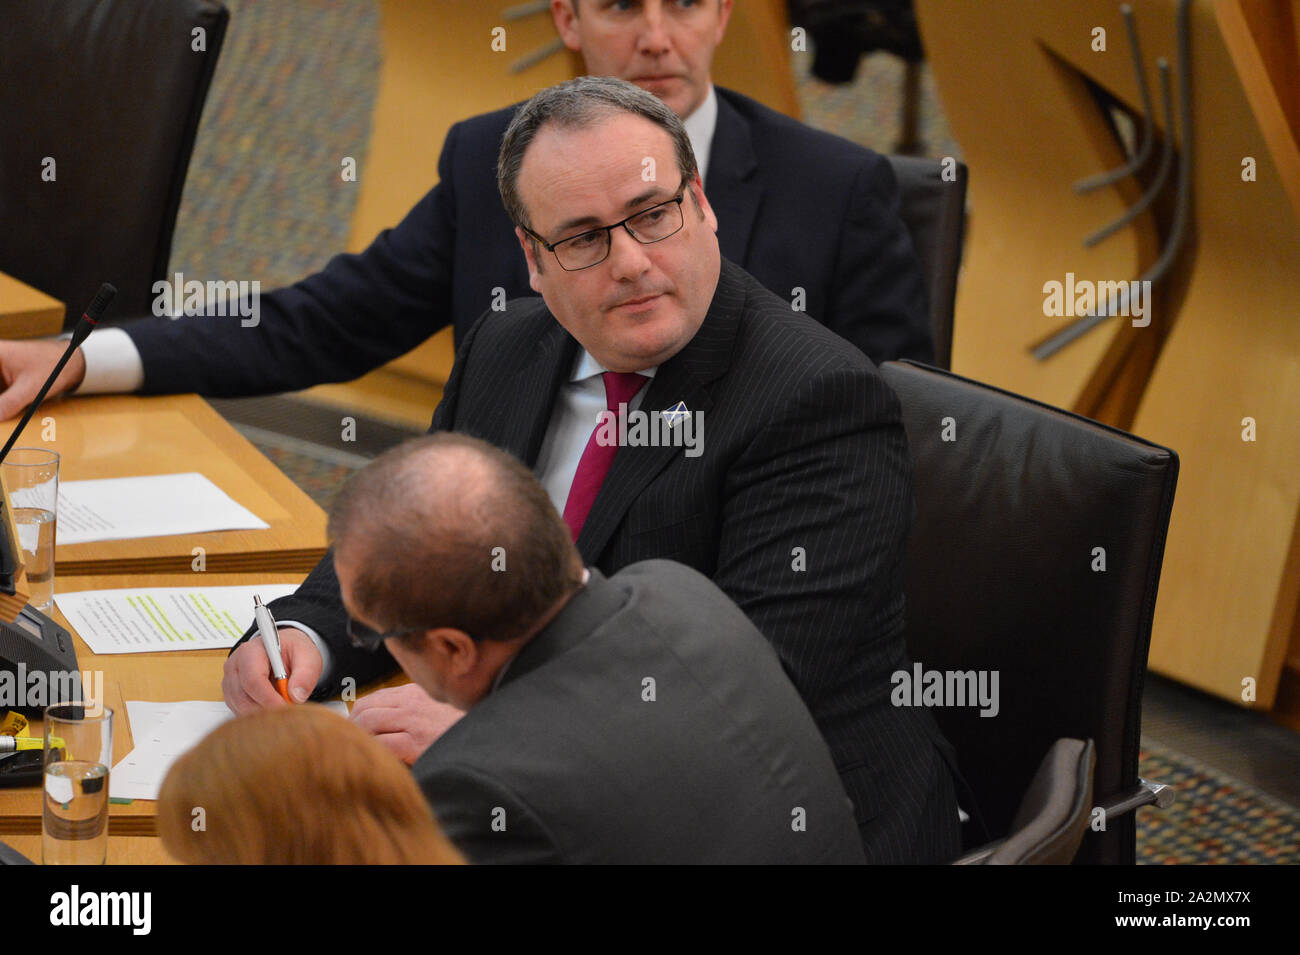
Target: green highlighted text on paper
{"x":153,"y":619}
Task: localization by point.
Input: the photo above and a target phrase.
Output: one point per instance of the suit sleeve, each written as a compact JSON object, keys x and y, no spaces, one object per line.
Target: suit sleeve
{"x":357,"y":313}
{"x":814,"y":528}
{"x":485,"y":820}
{"x":878,"y":297}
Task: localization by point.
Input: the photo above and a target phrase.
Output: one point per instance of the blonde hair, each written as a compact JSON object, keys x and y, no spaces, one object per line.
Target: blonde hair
{"x":297,"y":785}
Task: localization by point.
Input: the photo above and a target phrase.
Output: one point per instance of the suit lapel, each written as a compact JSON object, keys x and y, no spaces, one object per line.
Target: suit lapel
{"x":732,"y":188}
{"x":685,"y":377}
{"x":635,"y":467}
{"x":526,"y":407}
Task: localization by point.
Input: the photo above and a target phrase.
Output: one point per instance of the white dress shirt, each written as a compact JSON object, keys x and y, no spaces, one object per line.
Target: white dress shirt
{"x":112,"y":363}
{"x":700,"y":126}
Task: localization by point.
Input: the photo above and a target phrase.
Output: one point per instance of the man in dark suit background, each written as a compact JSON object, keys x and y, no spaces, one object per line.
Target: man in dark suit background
{"x":812,"y":216}
{"x":639,"y":718}
{"x":796,"y":502}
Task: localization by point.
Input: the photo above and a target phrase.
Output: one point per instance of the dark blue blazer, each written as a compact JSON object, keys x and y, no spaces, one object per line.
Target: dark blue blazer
{"x":796,"y":208}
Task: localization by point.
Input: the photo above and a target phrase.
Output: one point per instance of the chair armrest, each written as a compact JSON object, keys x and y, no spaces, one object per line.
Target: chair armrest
{"x":1143,"y":794}
{"x":978,"y":856}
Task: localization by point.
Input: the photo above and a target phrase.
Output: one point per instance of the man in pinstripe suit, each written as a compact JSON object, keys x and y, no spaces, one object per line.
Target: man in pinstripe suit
{"x":798,"y":507}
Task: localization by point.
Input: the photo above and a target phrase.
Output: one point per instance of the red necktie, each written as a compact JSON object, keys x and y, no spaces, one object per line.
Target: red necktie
{"x":620,"y":388}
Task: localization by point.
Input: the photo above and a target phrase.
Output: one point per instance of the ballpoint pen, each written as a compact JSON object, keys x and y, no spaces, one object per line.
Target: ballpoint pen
{"x":271,"y":640}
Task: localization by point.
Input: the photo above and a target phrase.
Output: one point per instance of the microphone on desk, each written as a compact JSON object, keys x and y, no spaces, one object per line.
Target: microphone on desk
{"x":89,"y":319}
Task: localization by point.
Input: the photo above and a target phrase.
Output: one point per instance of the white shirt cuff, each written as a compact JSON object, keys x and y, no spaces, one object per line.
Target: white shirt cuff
{"x":325,"y":656}
{"x":112,"y":363}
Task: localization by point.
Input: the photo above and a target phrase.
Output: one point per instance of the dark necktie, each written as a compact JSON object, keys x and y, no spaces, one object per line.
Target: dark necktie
{"x":620,"y":388}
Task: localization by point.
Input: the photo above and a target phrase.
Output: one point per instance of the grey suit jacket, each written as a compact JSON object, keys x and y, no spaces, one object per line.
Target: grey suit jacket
{"x":650,"y":722}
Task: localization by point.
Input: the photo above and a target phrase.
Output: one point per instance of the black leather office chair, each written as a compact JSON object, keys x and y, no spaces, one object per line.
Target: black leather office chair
{"x":934,"y":211}
{"x":1035,"y":554}
{"x":111,"y":91}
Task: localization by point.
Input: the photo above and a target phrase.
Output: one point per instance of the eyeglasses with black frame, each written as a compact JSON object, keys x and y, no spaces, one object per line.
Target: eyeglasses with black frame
{"x":590,"y":248}
{"x":364,"y":638}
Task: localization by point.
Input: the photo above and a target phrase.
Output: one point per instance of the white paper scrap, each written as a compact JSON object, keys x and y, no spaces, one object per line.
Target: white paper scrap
{"x":163,"y":732}
{"x":153,"y":506}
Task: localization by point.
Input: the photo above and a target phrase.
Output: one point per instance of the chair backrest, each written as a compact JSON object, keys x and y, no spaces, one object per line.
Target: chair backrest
{"x":934,"y":211}
{"x":1035,"y":556}
{"x":1054,"y":814}
{"x":101,"y":102}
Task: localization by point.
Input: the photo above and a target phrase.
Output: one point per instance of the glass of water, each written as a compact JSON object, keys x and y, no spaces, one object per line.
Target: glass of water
{"x":32,"y":477}
{"x":78,"y":753}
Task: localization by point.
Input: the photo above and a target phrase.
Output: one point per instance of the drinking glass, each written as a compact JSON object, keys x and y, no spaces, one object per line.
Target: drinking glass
{"x":32,"y":477}
{"x":78,"y":753}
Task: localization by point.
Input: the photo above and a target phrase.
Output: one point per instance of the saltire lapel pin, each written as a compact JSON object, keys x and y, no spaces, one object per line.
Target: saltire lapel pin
{"x":675,"y":414}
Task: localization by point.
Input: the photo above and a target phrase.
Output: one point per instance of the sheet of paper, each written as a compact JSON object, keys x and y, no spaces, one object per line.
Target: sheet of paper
{"x":154,"y":506}
{"x":150,"y":619}
{"x":163,"y":732}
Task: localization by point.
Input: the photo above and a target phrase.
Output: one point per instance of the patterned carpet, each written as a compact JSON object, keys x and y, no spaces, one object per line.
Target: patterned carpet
{"x":867,"y":109}
{"x":292,"y":97}
{"x":1216,"y":819}
{"x":318,"y":477}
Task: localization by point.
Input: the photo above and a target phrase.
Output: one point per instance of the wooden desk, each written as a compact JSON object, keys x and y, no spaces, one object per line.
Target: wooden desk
{"x":26,"y":312}
{"x":128,"y":435}
{"x":156,"y":677}
{"x":122,"y":850}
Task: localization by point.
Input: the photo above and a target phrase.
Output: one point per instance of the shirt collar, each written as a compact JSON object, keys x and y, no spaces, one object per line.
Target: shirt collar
{"x":587,"y":367}
{"x":700,"y":126}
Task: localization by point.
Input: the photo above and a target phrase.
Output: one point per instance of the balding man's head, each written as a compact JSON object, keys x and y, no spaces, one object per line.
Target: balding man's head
{"x":448,"y":531}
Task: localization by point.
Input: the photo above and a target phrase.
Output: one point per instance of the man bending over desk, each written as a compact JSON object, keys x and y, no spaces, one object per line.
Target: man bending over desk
{"x":635,"y":718}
